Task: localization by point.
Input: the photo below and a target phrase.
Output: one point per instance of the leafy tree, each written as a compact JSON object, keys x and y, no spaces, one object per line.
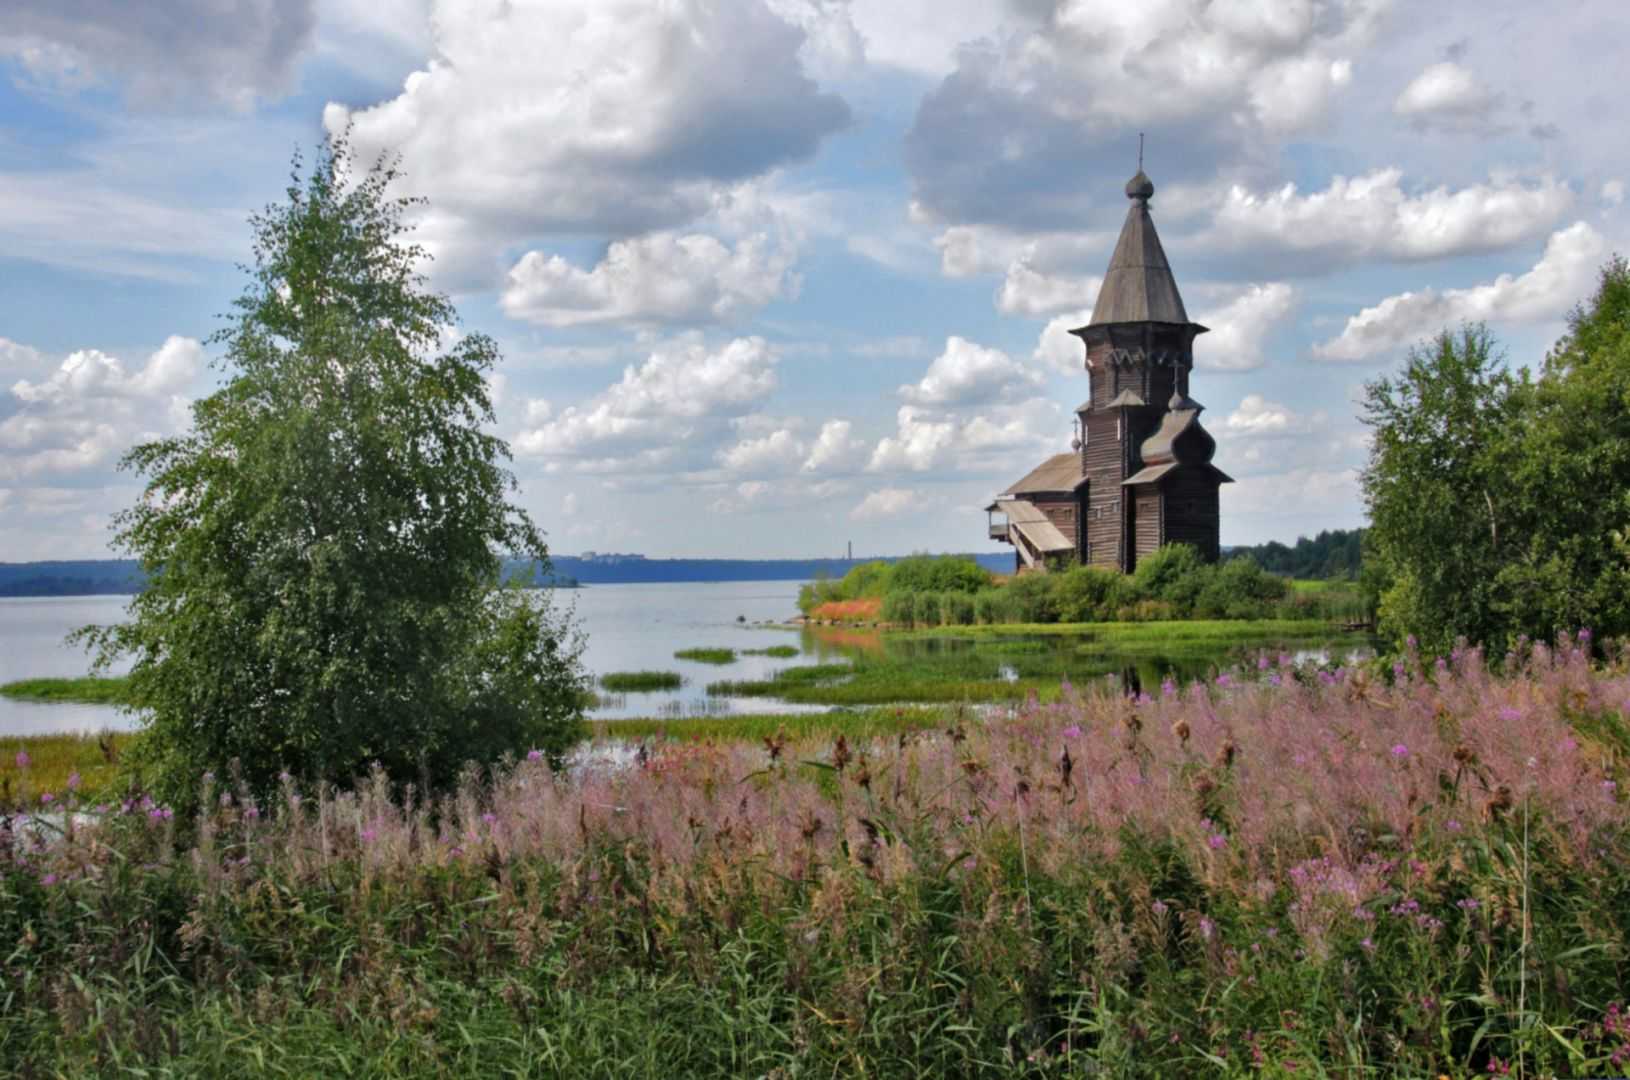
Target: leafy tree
{"x":937,"y":573}
{"x":323,"y":546}
{"x":1437,"y":489}
{"x":1495,"y":498}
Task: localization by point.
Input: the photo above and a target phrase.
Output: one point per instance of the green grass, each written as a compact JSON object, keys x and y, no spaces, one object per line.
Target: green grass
{"x":625,"y":682}
{"x":780,"y":652}
{"x":707,"y":656}
{"x":853,"y":723}
{"x":86,"y":691}
{"x":52,"y":759}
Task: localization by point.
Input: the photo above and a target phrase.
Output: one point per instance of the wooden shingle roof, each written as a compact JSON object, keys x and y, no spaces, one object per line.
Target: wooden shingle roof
{"x":1059,"y":473}
{"x":1139,"y":286}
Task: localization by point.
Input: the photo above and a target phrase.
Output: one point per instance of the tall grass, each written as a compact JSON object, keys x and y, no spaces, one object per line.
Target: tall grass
{"x":83,"y":691}
{"x":707,"y":655}
{"x":1282,"y":872}
{"x":627,"y":682}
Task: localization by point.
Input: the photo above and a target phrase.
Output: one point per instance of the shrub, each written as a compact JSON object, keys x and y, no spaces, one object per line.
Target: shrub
{"x":958,"y":608}
{"x":937,"y":573}
{"x":1090,"y":593}
{"x":1030,"y":599}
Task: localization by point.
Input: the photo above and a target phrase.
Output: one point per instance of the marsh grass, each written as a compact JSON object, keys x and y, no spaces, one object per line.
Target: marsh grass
{"x":83,"y":691}
{"x":707,"y":656}
{"x":780,"y":652}
{"x":33,"y":765}
{"x":630,"y":682}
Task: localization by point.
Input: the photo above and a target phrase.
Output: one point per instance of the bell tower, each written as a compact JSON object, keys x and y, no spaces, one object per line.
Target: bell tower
{"x":1148,"y":475}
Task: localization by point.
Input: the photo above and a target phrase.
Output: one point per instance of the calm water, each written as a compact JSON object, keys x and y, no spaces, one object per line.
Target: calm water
{"x":631,"y":628}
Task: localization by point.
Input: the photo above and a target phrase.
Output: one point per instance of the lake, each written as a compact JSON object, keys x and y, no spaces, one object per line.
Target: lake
{"x":639,"y":627}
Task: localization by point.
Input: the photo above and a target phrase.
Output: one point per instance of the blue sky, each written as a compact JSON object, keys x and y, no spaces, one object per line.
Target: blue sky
{"x":771,"y":276}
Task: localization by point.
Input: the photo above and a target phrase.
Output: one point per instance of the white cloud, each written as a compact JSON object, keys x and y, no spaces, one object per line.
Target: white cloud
{"x":171,"y":52}
{"x":1448,"y":97}
{"x":660,"y":402}
{"x":883,"y":503}
{"x":1560,"y":279}
{"x":1060,"y":349}
{"x":662,"y":276}
{"x":1240,"y":328}
{"x":835,"y":448}
{"x":92,"y":374}
{"x":966,"y":373}
{"x":1257,"y":417}
{"x":1372,"y":215}
{"x":1320,"y":494}
{"x":1027,"y":291}
{"x":778,"y":451}
{"x":917,"y":445}
{"x":571,"y":116}
{"x":91,"y":408}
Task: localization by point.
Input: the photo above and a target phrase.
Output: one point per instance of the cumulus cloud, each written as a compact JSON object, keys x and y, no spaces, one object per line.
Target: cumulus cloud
{"x":89,"y":374}
{"x":1241,"y":327}
{"x":92,"y":408}
{"x":1448,"y":97}
{"x":1372,"y":215}
{"x":1061,"y":350}
{"x":660,"y":277}
{"x":1562,"y":275}
{"x":918,"y":443}
{"x":966,"y":374}
{"x":926,"y":440}
{"x":659,"y":403}
{"x":1257,"y":417}
{"x":835,"y":448}
{"x":1027,"y":291}
{"x":778,"y":451}
{"x":1044,"y":100}
{"x":883,"y":503}
{"x":232,"y":53}
{"x":616,"y":117}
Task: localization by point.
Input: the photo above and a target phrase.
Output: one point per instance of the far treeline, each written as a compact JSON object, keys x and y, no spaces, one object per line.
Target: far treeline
{"x":1332,"y":555}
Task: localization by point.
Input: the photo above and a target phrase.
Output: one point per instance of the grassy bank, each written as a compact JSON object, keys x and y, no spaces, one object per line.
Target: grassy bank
{"x":1288,"y":875}
{"x":86,"y":691}
{"x":707,"y":656}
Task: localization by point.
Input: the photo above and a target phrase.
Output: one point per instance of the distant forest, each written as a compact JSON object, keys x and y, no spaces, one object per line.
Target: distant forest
{"x":1333,"y":553}
{"x":123,"y":576}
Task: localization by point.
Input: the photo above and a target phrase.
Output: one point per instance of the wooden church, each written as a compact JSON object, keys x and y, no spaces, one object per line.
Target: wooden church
{"x":1139,"y":472}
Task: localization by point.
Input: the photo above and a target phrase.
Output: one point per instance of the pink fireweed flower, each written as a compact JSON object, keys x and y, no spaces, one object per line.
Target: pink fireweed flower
{"x":1072,"y":732}
{"x":1262,"y":663}
{"x":368,"y":836}
{"x":490,"y":818}
{"x":23,"y":759}
{"x":47,"y":797}
{"x":1217,"y":841}
{"x":48,"y":879}
{"x":1225,"y":680}
{"x":73,"y":780}
{"x":1400,"y":751}
{"x":534,"y":755}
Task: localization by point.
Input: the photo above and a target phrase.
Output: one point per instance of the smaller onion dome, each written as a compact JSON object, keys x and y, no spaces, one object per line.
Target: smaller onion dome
{"x":1140,"y":187}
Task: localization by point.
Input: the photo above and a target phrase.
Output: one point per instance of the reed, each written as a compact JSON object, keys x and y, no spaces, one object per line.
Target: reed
{"x":707,"y":655}
{"x":629,"y":682}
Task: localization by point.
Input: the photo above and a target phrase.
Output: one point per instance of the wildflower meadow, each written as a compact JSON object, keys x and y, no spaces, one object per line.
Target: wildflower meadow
{"x":1283,"y":870}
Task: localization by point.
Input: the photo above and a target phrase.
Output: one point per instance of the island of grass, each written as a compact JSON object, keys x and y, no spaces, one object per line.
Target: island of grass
{"x":84,"y":691}
{"x":779,"y":652}
{"x":633,"y":682}
{"x":707,"y":656}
